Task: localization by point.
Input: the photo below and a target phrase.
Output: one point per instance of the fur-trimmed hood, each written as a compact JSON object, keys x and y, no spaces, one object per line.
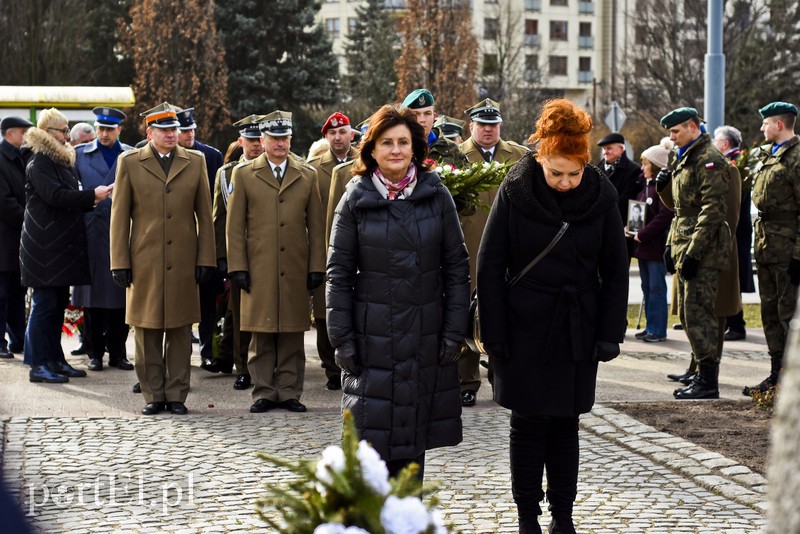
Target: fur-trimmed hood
{"x":41,"y":142}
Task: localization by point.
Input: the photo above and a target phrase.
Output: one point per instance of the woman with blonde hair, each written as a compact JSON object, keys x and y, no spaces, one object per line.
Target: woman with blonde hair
{"x":53,"y":251}
{"x":555,"y":225}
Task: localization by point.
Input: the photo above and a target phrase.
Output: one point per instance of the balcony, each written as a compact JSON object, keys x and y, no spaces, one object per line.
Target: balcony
{"x":585,"y":76}
{"x":532,"y":39}
{"x":586,"y":41}
{"x":585,"y":8}
{"x":533,"y":5}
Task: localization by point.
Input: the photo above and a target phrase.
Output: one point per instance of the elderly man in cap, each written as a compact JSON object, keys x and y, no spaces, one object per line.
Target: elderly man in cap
{"x":339,"y":134}
{"x":210,"y":289}
{"x":276,"y":255}
{"x":776,"y":195}
{"x":440,"y":148}
{"x":624,"y":175}
{"x":485,"y":144}
{"x":12,"y":212}
{"x":696,"y":187}
{"x":103,"y":301}
{"x":162,"y":247}
{"x":233,"y":343}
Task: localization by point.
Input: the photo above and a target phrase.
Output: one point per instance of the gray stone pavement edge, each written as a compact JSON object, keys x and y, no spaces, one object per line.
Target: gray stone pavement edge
{"x":81,"y":459}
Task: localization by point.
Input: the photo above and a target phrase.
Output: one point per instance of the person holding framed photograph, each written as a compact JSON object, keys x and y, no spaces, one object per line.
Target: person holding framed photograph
{"x":636,"y":217}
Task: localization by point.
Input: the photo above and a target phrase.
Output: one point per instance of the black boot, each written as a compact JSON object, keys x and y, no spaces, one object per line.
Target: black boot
{"x":95,"y":364}
{"x":685,"y":379}
{"x":770,"y":382}
{"x":704,"y":386}
{"x":41,"y":373}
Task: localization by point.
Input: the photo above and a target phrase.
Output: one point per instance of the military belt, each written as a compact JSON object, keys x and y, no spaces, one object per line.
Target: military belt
{"x":774,"y":216}
{"x":689,"y":211}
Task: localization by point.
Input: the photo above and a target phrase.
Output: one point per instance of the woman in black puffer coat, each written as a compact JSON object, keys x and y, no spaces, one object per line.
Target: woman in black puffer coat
{"x":546,"y":334}
{"x":53,"y":250}
{"x":397,"y":295}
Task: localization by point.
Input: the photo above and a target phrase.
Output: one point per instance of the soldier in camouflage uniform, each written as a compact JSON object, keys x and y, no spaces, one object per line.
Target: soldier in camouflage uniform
{"x":440,"y":148}
{"x":699,"y":242}
{"x":776,"y":195}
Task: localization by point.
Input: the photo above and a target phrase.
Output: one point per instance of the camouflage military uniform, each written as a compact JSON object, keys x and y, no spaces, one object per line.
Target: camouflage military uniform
{"x":443,"y":150}
{"x":699,"y":190}
{"x":776,"y":195}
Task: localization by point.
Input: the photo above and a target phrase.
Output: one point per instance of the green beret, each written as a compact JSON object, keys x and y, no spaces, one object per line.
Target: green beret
{"x":777,"y":108}
{"x":677,"y":116}
{"x":418,"y":98}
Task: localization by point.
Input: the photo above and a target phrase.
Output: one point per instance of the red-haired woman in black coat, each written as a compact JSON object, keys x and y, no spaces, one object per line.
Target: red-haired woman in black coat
{"x":546,"y":334}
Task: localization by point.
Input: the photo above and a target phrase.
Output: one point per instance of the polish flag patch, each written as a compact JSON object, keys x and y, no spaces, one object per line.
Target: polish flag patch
{"x":710,"y":165}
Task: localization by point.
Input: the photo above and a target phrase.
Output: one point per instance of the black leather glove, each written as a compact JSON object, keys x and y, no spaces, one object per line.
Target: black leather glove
{"x":663,"y":178}
{"x":794,"y":271}
{"x":203,"y":274}
{"x":345,"y":357}
{"x":314,"y":280}
{"x":241,"y":279}
{"x":497,"y":351}
{"x":668,"y":263}
{"x":689,"y":267}
{"x":449,"y":352}
{"x":605,"y":351}
{"x":122,"y":277}
{"x":222,"y":267}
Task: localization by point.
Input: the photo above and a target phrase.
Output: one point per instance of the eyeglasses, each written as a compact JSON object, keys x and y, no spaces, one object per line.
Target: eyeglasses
{"x":64,"y":131}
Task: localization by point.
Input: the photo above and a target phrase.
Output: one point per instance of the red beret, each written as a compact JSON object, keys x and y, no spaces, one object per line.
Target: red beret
{"x":335,"y":121}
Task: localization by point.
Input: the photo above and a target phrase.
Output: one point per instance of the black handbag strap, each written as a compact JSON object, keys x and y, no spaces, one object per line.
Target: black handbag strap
{"x":542,"y":254}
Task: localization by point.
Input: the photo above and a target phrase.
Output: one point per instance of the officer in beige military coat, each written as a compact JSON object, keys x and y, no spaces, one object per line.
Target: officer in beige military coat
{"x":276,"y":255}
{"x":162,"y":247}
{"x":339,"y":134}
{"x":484,"y":144}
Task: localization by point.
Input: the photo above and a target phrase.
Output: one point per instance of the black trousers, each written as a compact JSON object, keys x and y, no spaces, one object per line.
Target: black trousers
{"x":208,"y":315}
{"x":395,"y":466}
{"x":536,"y":443}
{"x":107,"y":332}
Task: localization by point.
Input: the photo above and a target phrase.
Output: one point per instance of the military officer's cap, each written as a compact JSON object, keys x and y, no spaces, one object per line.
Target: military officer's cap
{"x":777,"y":108}
{"x":161,"y":116}
{"x":276,"y":124}
{"x":336,"y":120}
{"x":363,"y":125}
{"x":678,"y":116}
{"x":186,"y":118}
{"x":418,"y":98}
{"x":612,"y":138}
{"x":14,"y":122}
{"x":486,"y":111}
{"x":449,"y":126}
{"x":108,"y":117}
{"x":248,"y":127}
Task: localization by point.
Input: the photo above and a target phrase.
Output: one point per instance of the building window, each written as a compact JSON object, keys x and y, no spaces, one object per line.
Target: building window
{"x":585,"y":8}
{"x":532,"y":32}
{"x":558,"y":30}
{"x":558,"y":65}
{"x":532,"y":73}
{"x":533,"y":5}
{"x":332,"y":28}
{"x":351,"y":24}
{"x":584,"y":70}
{"x":489,"y":67}
{"x":585,"y":39}
{"x":490,"y":29}
{"x":558,"y":2}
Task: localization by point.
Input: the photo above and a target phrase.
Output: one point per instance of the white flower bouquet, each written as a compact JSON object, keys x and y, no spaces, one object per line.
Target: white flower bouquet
{"x":466,"y":184}
{"x":348,"y":491}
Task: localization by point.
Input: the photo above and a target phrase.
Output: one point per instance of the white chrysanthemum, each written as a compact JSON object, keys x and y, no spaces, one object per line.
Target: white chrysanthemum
{"x":439,"y":169}
{"x":332,"y":460}
{"x":373,"y":469}
{"x":338,"y":528}
{"x":438,"y":522}
{"x":486,"y":165}
{"x":404,"y":516}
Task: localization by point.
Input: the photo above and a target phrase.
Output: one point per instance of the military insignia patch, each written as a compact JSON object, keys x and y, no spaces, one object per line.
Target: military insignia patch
{"x":106,"y":112}
{"x":334,"y":123}
{"x":421,"y":100}
{"x":710,"y":165}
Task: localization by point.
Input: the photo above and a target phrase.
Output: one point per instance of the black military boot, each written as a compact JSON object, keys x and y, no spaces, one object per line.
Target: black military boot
{"x":685,"y":379}
{"x":704,"y":386}
{"x":770,"y":382}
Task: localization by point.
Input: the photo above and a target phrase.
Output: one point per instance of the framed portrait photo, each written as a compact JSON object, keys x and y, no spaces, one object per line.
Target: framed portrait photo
{"x":636,"y":215}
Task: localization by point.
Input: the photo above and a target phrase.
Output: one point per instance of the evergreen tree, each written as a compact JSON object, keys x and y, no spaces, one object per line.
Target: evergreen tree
{"x":278,"y":57}
{"x":371,"y":46}
{"x":440,"y":53}
{"x":178,"y":58}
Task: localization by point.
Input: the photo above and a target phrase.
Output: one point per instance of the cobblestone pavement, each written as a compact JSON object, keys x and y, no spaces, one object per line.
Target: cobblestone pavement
{"x":82,"y":462}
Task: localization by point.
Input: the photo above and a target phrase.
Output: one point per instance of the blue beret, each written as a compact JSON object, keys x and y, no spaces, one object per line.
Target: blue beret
{"x":14,"y":122}
{"x":777,"y":108}
{"x":677,"y":116}
{"x":110,"y":117}
{"x":418,"y":98}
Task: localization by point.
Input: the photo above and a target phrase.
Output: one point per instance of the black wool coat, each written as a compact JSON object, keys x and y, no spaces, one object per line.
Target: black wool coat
{"x":12,"y":204}
{"x":575,"y":296}
{"x":398,"y":282}
{"x":53,"y":250}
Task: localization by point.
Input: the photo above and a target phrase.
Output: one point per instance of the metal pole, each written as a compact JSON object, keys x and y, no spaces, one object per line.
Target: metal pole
{"x":715,"y":68}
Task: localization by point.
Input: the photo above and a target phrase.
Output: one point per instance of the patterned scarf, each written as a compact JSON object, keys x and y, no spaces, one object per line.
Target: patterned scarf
{"x":395,"y":188}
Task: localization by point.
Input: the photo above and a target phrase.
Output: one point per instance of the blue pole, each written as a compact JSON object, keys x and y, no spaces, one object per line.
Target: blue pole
{"x":715,"y":68}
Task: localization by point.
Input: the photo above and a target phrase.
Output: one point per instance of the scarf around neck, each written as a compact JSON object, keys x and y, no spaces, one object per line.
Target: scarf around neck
{"x":399,"y":187}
